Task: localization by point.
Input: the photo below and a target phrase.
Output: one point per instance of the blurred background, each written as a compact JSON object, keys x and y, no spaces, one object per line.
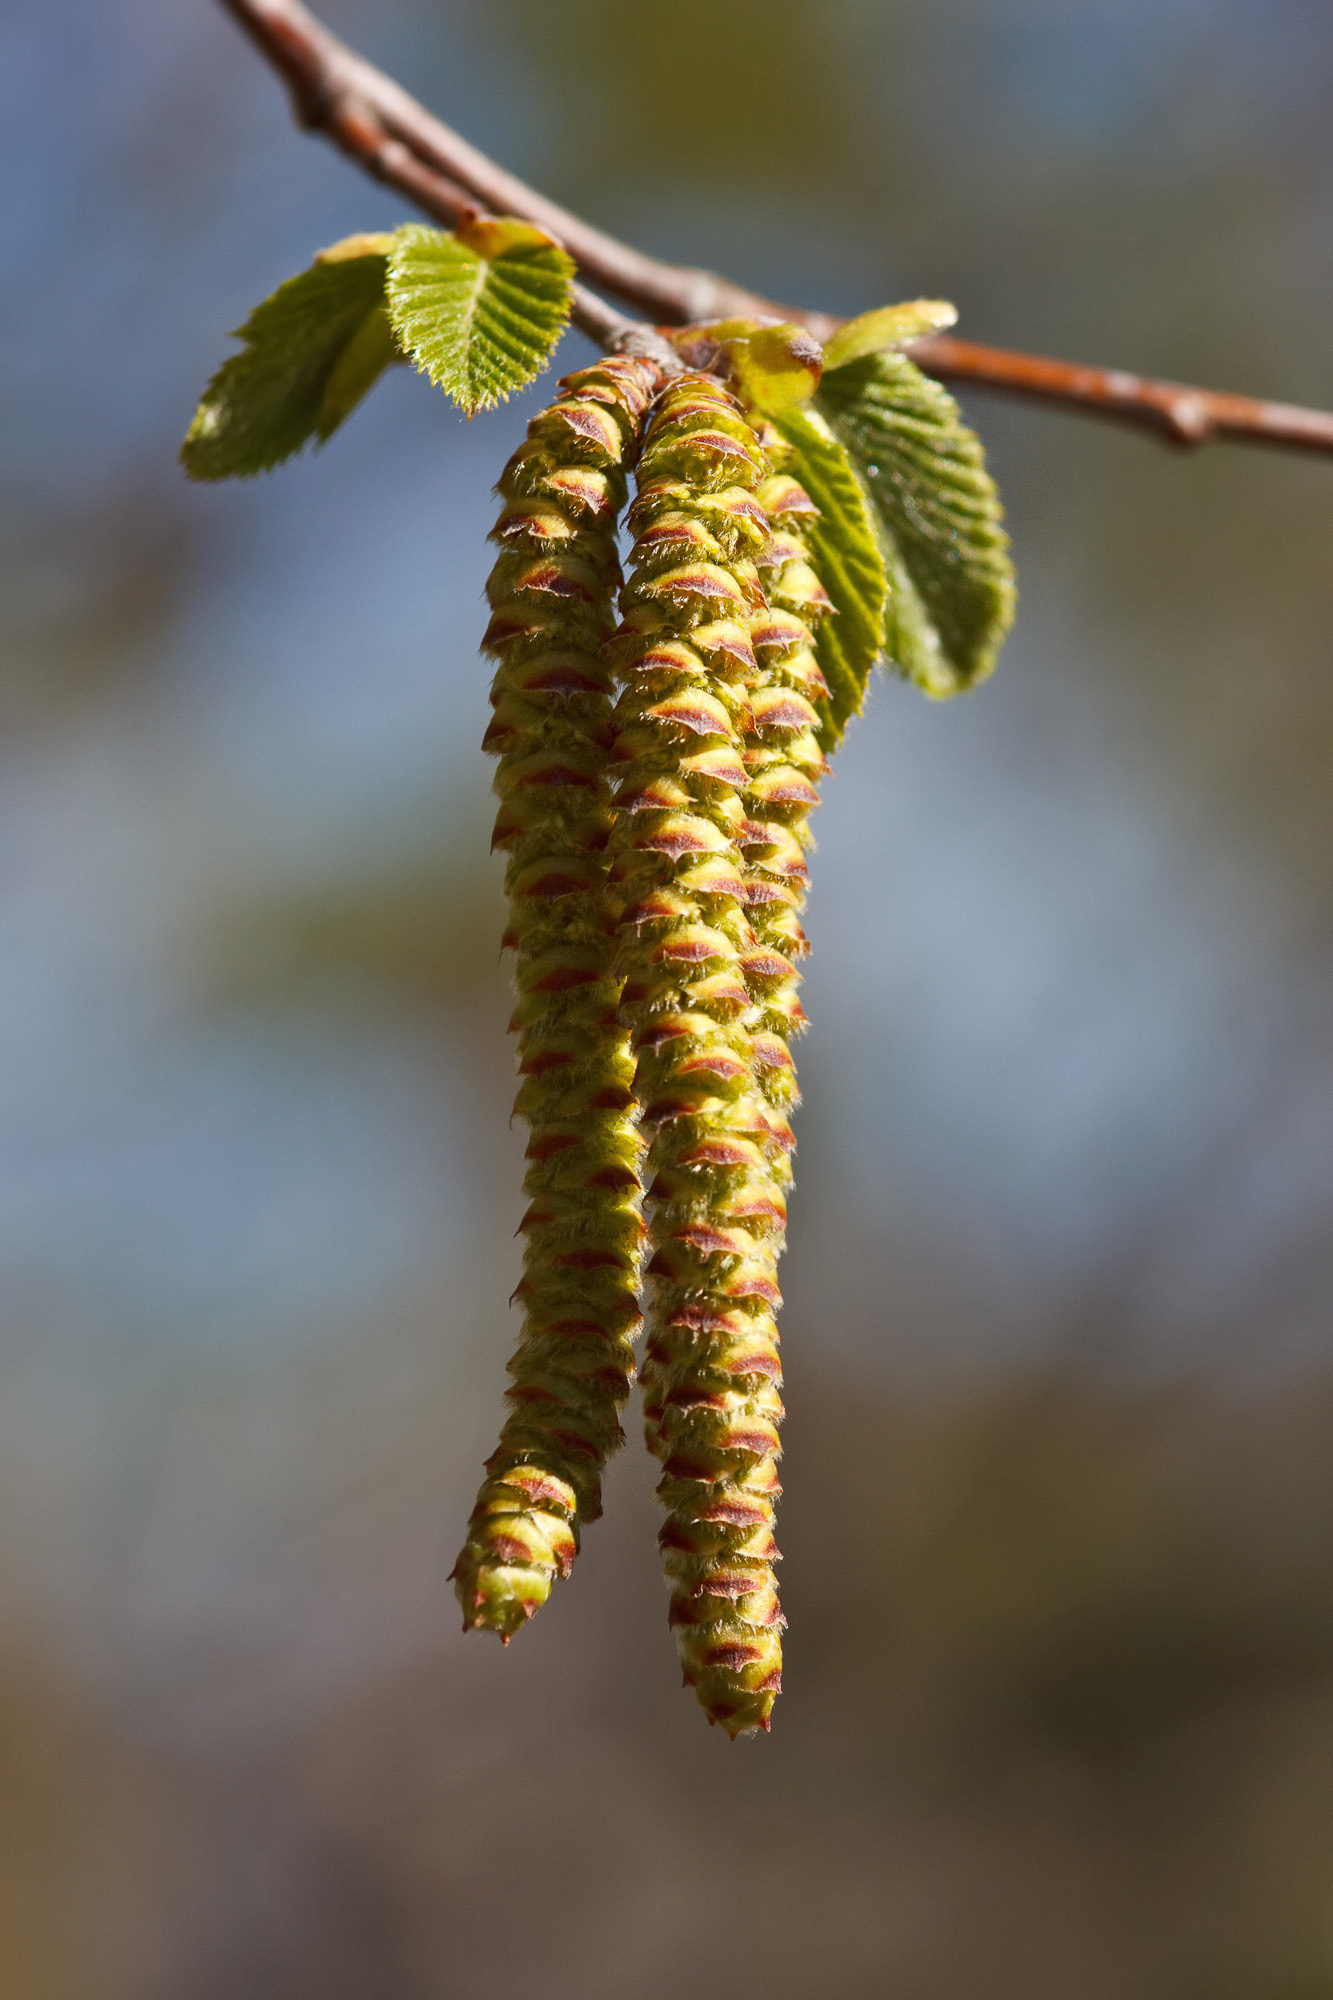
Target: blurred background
{"x":1059,"y":1526}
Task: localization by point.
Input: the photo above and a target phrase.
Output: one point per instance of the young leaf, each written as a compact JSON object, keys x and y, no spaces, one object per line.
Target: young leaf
{"x":479,"y":311}
{"x":938,"y":515}
{"x":311,"y":352}
{"x":771,"y":364}
{"x":887,"y":326}
{"x":847,"y":561}
{"x":775,"y":368}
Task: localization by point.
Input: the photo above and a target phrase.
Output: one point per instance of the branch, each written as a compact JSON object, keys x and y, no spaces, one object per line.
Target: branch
{"x":1183,"y":415}
{"x":374,"y":121}
{"x":386,"y":132}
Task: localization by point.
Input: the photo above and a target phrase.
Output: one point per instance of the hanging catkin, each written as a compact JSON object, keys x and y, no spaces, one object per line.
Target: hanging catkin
{"x":710,"y":1371}
{"x":552,"y":593}
{"x":660,"y":744}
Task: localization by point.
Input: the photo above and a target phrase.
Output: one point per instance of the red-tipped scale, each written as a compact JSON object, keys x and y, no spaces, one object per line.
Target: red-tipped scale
{"x":716,"y":1164}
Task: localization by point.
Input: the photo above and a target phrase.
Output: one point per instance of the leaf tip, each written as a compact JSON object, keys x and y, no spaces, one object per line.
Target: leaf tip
{"x":888,"y":326}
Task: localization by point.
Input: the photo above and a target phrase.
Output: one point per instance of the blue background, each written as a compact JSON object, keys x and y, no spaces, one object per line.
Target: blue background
{"x":1059,"y":1708}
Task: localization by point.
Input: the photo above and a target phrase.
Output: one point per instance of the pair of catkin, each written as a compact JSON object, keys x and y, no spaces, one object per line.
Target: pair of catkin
{"x":654,"y":782}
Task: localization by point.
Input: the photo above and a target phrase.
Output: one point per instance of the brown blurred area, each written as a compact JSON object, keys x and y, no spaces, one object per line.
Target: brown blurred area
{"x":1058,"y":1715}
{"x":1059,"y":1513}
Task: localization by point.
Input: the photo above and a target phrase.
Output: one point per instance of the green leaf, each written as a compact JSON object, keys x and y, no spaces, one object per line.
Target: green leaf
{"x":847,"y":562}
{"x":774,"y":368}
{"x":938,"y":519}
{"x":311,"y":352}
{"x":887,"y":326}
{"x":479,"y":311}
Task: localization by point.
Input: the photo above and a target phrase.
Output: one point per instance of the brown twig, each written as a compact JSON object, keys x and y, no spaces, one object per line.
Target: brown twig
{"x":374,"y":121}
{"x":385,"y":131}
{"x":1183,"y":415}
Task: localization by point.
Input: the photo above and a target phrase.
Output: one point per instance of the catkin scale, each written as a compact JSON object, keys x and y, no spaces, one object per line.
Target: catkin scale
{"x":783,"y":764}
{"x":552,"y":593}
{"x":678,"y":885}
{"x":783,"y":767}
